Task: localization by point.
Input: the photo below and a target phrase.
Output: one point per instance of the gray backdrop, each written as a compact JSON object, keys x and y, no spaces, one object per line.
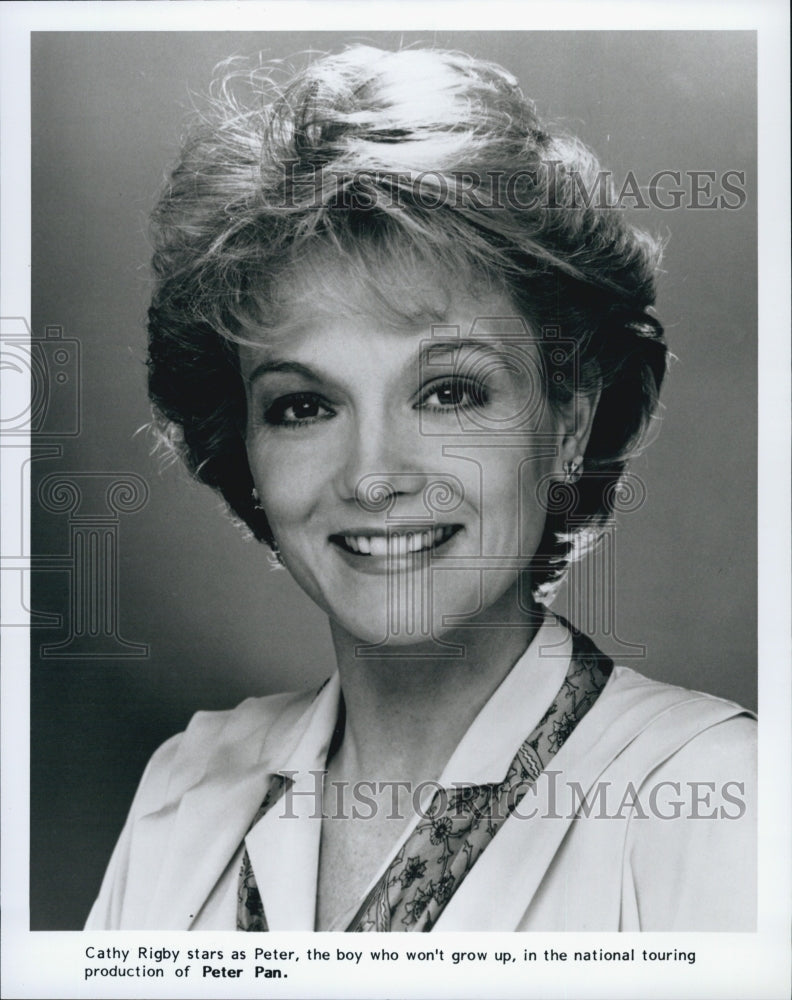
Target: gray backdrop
{"x":150,"y":604}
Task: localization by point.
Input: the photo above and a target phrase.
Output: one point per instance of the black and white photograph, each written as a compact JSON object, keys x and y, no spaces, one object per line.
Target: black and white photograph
{"x":396,"y":505}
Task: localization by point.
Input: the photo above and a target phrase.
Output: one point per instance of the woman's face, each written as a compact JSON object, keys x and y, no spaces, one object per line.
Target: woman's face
{"x":399,"y":457}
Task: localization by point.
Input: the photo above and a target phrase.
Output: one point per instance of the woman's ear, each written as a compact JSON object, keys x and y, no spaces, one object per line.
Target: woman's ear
{"x":577,"y":421}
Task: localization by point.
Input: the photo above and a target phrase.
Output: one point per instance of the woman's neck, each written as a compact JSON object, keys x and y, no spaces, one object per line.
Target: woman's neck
{"x":408,"y":707}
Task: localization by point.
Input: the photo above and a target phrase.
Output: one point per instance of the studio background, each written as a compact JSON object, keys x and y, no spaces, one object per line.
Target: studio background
{"x":198,"y":620}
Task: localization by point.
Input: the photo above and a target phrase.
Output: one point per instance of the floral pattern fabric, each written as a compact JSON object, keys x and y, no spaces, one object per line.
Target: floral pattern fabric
{"x":459,"y":823}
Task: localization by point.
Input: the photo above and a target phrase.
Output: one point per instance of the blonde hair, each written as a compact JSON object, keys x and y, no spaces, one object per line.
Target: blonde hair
{"x":411,"y":155}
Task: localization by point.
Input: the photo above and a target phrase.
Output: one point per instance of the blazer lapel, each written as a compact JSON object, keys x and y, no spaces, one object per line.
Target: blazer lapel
{"x":210,"y":823}
{"x":284,"y":845}
{"x":181,"y":849}
{"x":284,"y":851}
{"x":209,"y":820}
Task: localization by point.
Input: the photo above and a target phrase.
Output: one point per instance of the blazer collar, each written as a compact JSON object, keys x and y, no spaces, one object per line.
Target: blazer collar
{"x":486,"y":751}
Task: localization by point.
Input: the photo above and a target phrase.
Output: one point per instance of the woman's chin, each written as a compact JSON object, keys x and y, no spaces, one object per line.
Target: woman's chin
{"x":423,"y":624}
{"x":381,"y":633}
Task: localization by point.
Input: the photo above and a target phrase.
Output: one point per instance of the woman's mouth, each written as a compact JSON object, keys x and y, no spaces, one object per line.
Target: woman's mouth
{"x":396,"y":544}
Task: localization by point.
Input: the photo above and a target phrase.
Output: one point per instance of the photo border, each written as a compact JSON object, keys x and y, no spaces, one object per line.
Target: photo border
{"x":48,"y":963}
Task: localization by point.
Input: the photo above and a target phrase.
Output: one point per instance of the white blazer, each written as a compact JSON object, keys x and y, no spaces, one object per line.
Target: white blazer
{"x":664,"y":838}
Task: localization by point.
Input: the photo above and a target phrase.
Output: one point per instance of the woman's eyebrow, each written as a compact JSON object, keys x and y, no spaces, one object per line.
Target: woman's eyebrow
{"x":282,"y":366}
{"x":437,"y":350}
{"x":434,"y":351}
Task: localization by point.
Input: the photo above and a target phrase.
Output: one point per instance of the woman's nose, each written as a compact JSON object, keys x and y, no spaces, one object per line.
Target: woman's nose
{"x":381,"y":460}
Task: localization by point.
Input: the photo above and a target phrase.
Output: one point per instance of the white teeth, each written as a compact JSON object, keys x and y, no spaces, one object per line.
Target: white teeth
{"x":420,"y":540}
{"x":397,"y":545}
{"x":378,"y":546}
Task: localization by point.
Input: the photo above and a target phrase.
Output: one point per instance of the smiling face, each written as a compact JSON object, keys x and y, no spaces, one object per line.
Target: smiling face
{"x":399,"y":451}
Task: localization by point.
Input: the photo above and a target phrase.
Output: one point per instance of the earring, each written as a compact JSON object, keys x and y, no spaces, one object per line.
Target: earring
{"x":275,"y":553}
{"x":255,"y":497}
{"x":573,"y":470}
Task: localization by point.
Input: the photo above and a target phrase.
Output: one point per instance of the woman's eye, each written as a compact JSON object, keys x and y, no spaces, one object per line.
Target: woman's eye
{"x":455,"y":394}
{"x":297,"y":409}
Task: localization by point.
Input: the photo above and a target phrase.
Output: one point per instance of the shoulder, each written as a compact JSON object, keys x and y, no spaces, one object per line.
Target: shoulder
{"x":252,"y":717}
{"x":646,"y":733}
{"x":691,"y":847}
{"x":725,"y":749}
{"x":629,"y":679}
{"x":670,"y":716}
{"x":219,"y":740}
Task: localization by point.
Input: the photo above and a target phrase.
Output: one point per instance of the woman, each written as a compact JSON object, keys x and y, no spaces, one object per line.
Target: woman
{"x":398,"y":331}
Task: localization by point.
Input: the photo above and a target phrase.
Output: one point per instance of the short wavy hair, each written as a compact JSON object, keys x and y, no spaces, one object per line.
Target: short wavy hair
{"x":416,"y":155}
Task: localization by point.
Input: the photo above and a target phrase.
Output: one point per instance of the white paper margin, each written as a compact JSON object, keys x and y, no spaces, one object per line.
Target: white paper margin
{"x":48,"y":964}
